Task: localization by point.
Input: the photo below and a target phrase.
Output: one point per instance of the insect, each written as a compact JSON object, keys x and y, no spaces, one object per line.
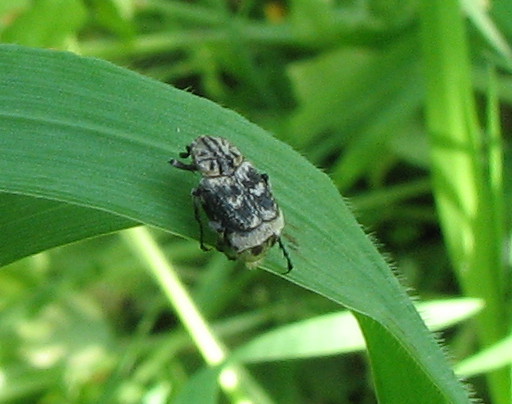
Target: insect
{"x":237,"y":200}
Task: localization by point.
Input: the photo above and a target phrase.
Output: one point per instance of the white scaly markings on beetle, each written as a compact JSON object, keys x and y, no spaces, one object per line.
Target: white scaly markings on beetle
{"x":237,"y":200}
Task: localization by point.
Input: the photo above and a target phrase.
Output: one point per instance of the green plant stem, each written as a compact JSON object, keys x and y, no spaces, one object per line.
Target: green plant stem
{"x":214,"y":30}
{"x":148,"y":251}
{"x":181,"y":11}
{"x":466,"y":175}
{"x":234,"y":380}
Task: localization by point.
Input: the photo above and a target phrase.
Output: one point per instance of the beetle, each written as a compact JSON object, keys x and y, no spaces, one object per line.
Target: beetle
{"x":236,"y":198}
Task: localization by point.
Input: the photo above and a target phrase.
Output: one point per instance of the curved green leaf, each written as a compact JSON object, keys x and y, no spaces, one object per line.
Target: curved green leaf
{"x":87,"y":134}
{"x":34,"y":224}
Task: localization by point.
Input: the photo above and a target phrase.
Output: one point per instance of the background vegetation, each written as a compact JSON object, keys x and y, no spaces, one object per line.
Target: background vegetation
{"x":405,"y":106}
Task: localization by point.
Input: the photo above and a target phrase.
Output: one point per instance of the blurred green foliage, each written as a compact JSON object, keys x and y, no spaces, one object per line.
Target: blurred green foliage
{"x":342,"y":82}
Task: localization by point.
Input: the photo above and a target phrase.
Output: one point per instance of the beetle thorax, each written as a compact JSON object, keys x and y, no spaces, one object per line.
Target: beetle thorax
{"x":215,"y":156}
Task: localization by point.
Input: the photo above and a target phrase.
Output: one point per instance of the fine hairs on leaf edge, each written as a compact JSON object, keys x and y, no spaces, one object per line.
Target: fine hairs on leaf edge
{"x":415,"y":297}
{"x":440,"y":341}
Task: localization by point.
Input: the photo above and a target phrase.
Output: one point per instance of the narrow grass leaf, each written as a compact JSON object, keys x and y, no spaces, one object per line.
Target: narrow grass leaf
{"x":338,"y":333}
{"x":494,"y":357}
{"x":478,"y":14}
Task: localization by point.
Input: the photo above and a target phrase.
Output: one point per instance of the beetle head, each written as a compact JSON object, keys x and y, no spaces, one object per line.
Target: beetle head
{"x":215,"y":156}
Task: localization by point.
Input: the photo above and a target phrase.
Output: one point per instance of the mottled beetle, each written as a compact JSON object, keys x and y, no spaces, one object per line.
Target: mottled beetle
{"x":237,"y":200}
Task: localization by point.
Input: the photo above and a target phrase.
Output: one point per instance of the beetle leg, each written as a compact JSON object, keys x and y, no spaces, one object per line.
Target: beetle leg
{"x":286,"y":255}
{"x":183,"y":166}
{"x":196,"y":196}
